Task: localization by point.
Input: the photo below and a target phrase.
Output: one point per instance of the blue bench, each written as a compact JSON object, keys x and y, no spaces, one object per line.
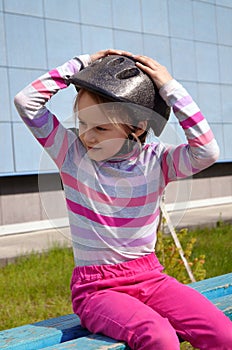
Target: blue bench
{"x":65,"y":332}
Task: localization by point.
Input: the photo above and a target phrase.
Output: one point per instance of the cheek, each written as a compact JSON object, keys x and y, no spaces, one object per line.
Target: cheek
{"x":111,"y":146}
{"x":115,"y":145}
{"x":81,"y":128}
{"x":80,"y":133}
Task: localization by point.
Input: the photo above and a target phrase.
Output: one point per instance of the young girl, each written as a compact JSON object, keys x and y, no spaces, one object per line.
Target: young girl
{"x":113,"y":183}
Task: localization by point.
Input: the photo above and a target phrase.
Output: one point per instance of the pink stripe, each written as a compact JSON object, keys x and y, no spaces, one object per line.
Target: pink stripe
{"x":39,"y":86}
{"x":202,"y":140}
{"x":69,"y":180}
{"x":55,"y":75}
{"x":192,"y":121}
{"x":49,"y":140}
{"x":165,"y":166}
{"x":109,"y":220}
{"x":102,"y":198}
{"x":176,"y":158}
{"x":63,"y":151}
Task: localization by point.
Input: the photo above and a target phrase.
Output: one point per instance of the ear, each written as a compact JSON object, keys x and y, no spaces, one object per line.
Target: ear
{"x":141,"y":127}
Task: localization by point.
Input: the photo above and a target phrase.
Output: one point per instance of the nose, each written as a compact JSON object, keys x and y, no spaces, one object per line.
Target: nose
{"x":89,"y":136}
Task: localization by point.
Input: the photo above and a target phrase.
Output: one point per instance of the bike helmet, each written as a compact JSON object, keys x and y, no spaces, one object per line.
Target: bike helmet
{"x":119,"y":79}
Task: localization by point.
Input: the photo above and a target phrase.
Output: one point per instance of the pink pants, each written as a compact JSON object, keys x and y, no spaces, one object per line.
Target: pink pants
{"x":135,"y":302}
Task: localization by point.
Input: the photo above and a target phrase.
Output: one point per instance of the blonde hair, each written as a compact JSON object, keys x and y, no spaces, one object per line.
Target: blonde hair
{"x":113,"y":111}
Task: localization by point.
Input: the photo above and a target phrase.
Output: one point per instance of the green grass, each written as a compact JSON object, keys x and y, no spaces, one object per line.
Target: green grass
{"x":216,"y":245}
{"x":37,"y":287}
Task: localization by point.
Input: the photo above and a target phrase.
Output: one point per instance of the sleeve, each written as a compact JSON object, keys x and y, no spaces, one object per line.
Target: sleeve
{"x":31,"y":106}
{"x":201,"y":149}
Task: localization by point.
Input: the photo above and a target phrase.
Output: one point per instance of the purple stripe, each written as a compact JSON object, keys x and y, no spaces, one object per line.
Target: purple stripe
{"x":180,"y":156}
{"x":115,"y":242}
{"x":183,"y":102}
{"x":49,"y":140}
{"x":72,"y":67}
{"x":37,"y":122}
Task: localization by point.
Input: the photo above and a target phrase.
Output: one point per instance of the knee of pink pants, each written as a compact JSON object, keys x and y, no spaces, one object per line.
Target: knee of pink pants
{"x":125,"y":318}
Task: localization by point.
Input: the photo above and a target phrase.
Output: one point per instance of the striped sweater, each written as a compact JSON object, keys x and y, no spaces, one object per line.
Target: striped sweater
{"x":113,"y":206}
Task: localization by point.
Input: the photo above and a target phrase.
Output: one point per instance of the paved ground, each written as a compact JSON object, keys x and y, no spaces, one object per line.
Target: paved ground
{"x":14,"y":245}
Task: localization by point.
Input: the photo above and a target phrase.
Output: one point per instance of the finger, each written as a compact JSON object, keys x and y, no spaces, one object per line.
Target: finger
{"x":145,"y":68}
{"x":119,"y":52}
{"x":148,"y":67}
{"x":146,"y":60}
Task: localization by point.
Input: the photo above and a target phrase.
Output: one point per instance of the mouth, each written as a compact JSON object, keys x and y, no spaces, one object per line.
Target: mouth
{"x":93,"y":148}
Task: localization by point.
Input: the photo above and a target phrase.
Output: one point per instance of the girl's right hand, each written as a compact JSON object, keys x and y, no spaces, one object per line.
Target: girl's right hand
{"x":108,"y":52}
{"x":158,"y":73}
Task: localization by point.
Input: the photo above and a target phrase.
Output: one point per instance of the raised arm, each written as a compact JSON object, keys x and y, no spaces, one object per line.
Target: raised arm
{"x":30,"y":102}
{"x":201,"y":149}
{"x":31,"y":105}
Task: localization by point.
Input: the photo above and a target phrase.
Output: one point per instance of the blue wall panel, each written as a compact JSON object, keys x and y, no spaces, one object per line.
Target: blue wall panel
{"x":192,"y":38}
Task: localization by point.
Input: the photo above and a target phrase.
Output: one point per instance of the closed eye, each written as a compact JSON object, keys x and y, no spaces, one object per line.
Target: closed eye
{"x":97,"y":127}
{"x":101,"y":128}
{"x":82,"y":123}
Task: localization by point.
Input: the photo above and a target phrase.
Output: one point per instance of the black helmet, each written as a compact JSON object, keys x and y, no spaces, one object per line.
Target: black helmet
{"x":119,"y":79}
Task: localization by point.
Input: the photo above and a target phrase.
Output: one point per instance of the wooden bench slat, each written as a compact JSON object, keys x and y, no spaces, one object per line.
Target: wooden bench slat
{"x":91,"y":342}
{"x":70,"y":325}
{"x":224,"y":304}
{"x":41,"y":334}
{"x":214,"y":287}
{"x":29,"y":337}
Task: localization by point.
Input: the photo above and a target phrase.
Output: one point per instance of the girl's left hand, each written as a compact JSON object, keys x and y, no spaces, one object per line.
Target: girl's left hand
{"x":158,"y":73}
{"x":95,"y":56}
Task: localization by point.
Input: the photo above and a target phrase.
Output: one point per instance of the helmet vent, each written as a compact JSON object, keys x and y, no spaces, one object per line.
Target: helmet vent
{"x":128,"y":73}
{"x":116,"y":61}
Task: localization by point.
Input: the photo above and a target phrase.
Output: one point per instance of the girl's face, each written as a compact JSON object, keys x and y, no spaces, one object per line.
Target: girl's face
{"x":101,"y":138}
